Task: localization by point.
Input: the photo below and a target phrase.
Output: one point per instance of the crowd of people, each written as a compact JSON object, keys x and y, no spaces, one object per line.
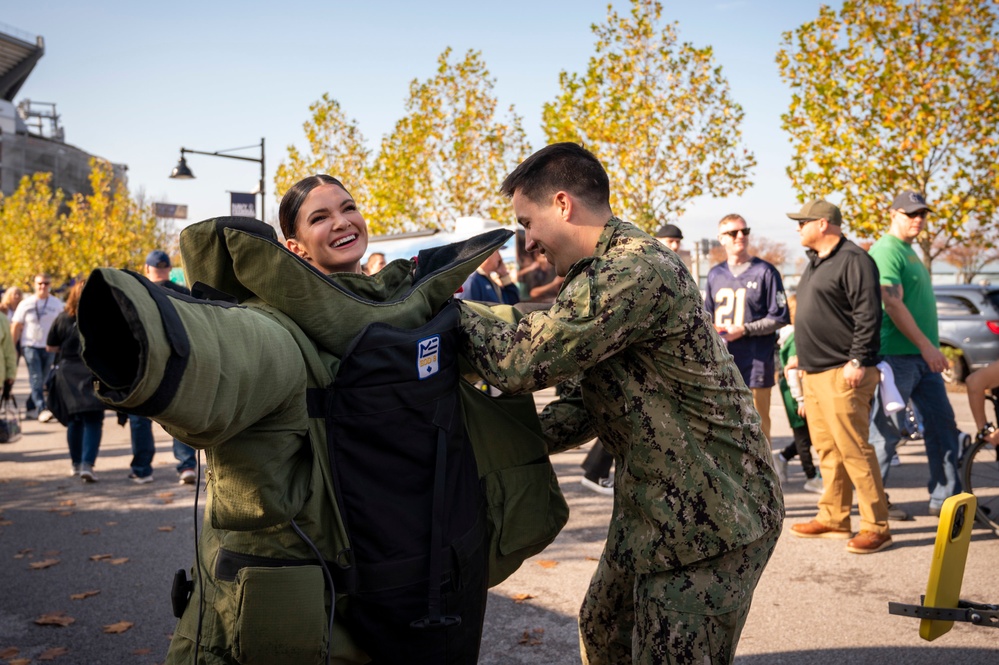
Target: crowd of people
{"x":42,"y":329}
{"x":675,"y":388}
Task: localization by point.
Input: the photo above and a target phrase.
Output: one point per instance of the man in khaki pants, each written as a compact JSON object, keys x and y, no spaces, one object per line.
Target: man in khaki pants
{"x":837,"y":332}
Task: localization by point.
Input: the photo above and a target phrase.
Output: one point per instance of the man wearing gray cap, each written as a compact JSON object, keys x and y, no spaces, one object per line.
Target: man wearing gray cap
{"x":837,"y":332}
{"x":910,"y":343}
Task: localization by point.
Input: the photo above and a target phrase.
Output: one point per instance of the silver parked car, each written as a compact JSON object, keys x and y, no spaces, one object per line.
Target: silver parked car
{"x":969,"y":322}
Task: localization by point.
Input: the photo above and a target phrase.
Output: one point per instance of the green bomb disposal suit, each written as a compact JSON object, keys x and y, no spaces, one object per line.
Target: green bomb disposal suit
{"x":282,"y":391}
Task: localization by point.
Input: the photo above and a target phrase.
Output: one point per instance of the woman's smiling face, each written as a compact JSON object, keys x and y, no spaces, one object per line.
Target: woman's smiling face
{"x":330,"y":232}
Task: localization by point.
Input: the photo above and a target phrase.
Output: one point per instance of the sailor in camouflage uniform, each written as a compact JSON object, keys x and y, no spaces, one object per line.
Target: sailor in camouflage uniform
{"x":697,"y":505}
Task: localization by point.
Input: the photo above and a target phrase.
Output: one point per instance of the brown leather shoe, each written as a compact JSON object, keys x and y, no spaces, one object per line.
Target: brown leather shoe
{"x":816,"y":529}
{"x":868,"y":542}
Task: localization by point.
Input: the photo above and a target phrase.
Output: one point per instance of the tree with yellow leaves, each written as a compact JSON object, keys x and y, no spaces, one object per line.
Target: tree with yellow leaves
{"x":29,"y":222}
{"x":448,"y":155}
{"x":336,"y":147}
{"x":890,"y":95}
{"x":105,"y":228}
{"x":657,"y":113}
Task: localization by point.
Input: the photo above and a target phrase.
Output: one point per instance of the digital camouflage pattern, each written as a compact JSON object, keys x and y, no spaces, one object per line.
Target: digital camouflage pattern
{"x":659,"y":388}
{"x":719,"y":591}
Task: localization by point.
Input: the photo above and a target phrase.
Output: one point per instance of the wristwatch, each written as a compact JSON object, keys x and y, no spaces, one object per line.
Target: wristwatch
{"x":855,"y":363}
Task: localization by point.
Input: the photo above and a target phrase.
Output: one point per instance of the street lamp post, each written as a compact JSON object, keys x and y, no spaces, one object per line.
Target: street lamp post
{"x":182,"y":172}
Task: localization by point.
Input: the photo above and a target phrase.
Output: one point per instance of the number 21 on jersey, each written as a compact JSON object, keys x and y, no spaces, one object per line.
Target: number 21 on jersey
{"x":730,"y":307}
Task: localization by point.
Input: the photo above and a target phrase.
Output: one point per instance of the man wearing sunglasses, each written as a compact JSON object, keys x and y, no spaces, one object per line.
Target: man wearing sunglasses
{"x":910,"y":343}
{"x":746,"y":300}
{"x":837,"y":330}
{"x":30,"y":325}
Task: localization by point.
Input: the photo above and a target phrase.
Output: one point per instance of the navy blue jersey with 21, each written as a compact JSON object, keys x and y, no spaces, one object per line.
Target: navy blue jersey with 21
{"x":757,"y":293}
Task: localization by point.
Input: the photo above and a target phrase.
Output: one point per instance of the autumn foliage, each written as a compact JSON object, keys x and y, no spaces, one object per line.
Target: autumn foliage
{"x":41,"y":231}
{"x":890,"y":95}
{"x":444,"y":159}
{"x":658,"y":114}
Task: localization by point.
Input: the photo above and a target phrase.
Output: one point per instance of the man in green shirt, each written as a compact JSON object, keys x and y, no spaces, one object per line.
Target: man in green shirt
{"x":697,"y":504}
{"x":910,"y":344}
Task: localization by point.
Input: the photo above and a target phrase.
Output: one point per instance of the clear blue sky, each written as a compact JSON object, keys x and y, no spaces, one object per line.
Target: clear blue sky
{"x":135,"y":81}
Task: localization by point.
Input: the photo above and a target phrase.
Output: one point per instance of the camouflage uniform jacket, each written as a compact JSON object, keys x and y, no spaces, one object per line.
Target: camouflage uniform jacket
{"x":693,"y":475}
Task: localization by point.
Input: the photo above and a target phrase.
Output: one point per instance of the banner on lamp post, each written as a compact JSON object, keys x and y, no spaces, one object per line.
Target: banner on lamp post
{"x":243,"y":205}
{"x":170,"y":210}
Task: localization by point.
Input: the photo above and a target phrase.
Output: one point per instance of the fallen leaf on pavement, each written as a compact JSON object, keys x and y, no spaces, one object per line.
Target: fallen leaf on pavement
{"x":6,"y":523}
{"x":119,"y":627}
{"x":9,"y":652}
{"x":87,"y":532}
{"x":165,"y":497}
{"x":53,"y":653}
{"x":142,"y":652}
{"x":19,"y":661}
{"x":521,"y":597}
{"x":532,"y":638}
{"x":118,"y":561}
{"x":83,"y":594}
{"x":51,"y":553}
{"x":547,"y":564}
{"x":111,"y":523}
{"x":38,"y":565}
{"x":23,"y":553}
{"x":165,"y":529}
{"x":593,"y":558}
{"x":68,"y":503}
{"x":98,"y":557}
{"x":55,"y":619}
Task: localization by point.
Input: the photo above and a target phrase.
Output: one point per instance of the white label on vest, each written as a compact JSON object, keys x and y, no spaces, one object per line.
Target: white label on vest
{"x":428,"y":356}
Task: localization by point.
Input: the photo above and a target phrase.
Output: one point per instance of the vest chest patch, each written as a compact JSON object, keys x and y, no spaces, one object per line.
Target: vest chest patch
{"x":428,"y":356}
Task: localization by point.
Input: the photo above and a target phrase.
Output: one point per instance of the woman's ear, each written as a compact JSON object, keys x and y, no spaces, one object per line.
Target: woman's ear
{"x":293,"y":245}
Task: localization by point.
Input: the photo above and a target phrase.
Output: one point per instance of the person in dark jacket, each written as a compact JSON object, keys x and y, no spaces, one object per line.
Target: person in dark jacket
{"x":83,"y":412}
{"x":480,"y":285}
{"x":838,"y":334}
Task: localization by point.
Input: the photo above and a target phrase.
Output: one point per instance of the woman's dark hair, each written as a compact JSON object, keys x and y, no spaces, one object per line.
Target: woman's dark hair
{"x":294,"y":197}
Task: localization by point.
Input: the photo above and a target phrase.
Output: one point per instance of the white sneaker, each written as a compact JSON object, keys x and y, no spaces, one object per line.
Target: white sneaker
{"x":600,"y":486}
{"x":895,"y":461}
{"x":780,"y":466}
{"x":87,"y":474}
{"x":76,"y":470}
{"x":45,"y":416}
{"x":815,"y":485}
{"x":140,"y":480}
{"x":188,"y":477}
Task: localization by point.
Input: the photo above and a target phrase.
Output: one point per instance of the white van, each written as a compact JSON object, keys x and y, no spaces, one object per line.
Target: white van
{"x":407,"y":245}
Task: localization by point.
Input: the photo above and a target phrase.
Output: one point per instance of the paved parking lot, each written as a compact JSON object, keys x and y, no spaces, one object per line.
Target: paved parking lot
{"x":815,"y":604}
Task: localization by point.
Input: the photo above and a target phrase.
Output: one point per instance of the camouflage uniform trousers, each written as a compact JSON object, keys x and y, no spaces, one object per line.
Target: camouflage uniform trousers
{"x":693,"y":614}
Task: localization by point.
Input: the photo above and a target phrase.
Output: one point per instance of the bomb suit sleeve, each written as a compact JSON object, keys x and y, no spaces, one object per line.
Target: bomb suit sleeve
{"x":205,"y":370}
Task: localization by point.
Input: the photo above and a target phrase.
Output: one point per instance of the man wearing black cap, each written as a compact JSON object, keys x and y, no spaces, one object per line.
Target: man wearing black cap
{"x":910,"y":343}
{"x":670,"y":235}
{"x":837,"y":332}
{"x":157,"y":270}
